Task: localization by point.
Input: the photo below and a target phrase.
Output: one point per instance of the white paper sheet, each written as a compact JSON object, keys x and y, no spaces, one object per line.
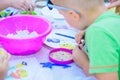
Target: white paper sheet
{"x":22,"y":69}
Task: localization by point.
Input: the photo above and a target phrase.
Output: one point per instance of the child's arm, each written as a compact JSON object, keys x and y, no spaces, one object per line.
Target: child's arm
{"x":107,"y":76}
{"x":81,"y":59}
{"x":18,"y":4}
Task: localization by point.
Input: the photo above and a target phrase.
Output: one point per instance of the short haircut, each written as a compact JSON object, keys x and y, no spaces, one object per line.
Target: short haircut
{"x":86,"y":5}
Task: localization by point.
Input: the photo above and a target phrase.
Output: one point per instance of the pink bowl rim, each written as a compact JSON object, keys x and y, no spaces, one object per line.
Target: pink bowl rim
{"x":60,"y":62}
{"x":39,"y":35}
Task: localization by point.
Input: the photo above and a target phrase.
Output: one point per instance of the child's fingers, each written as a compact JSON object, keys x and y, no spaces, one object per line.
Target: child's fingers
{"x":4,"y":53}
{"x":79,"y":36}
{"x":114,"y":4}
{"x":81,"y":45}
{"x":33,"y":5}
{"x":1,"y":59}
{"x":5,"y":57}
{"x":29,"y":5}
{"x":3,"y":62}
{"x":22,"y":7}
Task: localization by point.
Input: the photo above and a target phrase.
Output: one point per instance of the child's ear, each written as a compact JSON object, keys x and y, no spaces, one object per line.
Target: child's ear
{"x":75,"y":15}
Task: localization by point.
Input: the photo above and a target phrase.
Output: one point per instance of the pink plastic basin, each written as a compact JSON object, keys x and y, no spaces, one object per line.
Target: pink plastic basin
{"x":23,"y":46}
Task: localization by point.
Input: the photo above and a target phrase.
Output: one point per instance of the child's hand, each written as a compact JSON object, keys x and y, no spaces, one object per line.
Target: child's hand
{"x":80,"y":38}
{"x":81,"y":59}
{"x":24,"y":5}
{"x":4,"y":58}
{"x":79,"y":56}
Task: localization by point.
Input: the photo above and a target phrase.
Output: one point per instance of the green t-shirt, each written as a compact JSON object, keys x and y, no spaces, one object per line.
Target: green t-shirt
{"x":103,"y":43}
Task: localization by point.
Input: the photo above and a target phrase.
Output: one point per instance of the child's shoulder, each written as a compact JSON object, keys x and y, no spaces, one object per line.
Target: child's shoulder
{"x":106,"y":20}
{"x":108,"y":16}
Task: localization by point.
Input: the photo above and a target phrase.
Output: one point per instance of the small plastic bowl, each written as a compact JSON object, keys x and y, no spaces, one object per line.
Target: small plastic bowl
{"x":61,"y":56}
{"x":32,"y":13}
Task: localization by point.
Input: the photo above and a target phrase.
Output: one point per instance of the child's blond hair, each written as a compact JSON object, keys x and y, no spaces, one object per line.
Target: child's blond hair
{"x":86,"y":5}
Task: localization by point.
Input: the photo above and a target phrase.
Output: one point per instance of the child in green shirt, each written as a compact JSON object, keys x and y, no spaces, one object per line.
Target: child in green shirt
{"x":102,"y":29}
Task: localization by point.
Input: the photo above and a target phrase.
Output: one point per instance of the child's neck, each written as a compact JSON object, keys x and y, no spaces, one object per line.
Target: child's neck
{"x":95,"y":15}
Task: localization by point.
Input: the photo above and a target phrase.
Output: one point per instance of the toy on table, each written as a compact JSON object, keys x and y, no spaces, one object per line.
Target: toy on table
{"x":61,"y":38}
{"x":5,"y":14}
{"x":53,"y":40}
{"x":19,"y":73}
{"x":61,"y":56}
{"x":22,"y":69}
{"x":67,"y":45}
{"x":50,"y":65}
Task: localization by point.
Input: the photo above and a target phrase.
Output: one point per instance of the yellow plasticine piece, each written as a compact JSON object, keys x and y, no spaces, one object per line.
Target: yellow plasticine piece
{"x":66,"y":45}
{"x":19,"y":65}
